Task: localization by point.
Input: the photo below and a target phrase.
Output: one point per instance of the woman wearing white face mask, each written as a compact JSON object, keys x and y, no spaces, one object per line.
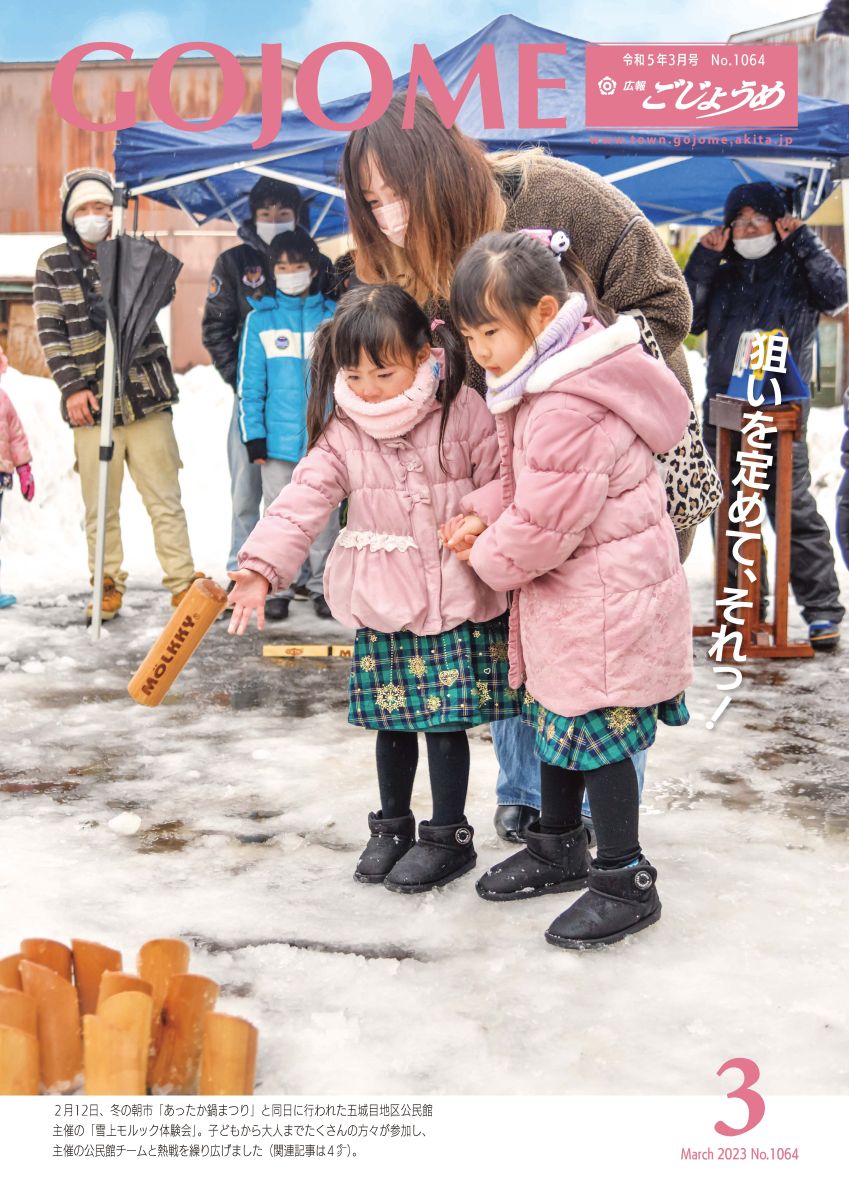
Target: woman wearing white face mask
{"x":764,"y":269}
{"x":272,"y":386}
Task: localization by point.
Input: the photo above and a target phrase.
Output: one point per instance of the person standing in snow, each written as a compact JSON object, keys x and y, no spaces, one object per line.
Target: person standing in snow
{"x":843,"y":490}
{"x":577,"y":529}
{"x":764,"y":269}
{"x":419,"y":197}
{"x":14,"y":457}
{"x":71,"y":322}
{"x":241,"y":275}
{"x":403,"y":439}
{"x":272,"y":386}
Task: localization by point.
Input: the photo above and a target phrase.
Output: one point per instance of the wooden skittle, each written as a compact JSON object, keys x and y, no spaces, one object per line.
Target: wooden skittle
{"x":158,"y":960}
{"x":90,"y":961}
{"x":116,"y":1043}
{"x":9,"y":974}
{"x":178,"y":641}
{"x":54,"y":955}
{"x":112,"y":983}
{"x":18,"y":1062}
{"x":59,"y":1030}
{"x":175,"y":1066}
{"x":18,"y":1011}
{"x":228,"y":1061}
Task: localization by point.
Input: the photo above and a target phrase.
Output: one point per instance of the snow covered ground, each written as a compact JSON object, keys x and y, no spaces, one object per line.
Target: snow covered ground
{"x":253,"y":792}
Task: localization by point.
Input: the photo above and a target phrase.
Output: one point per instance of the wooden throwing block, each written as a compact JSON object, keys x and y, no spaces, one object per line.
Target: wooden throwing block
{"x":174,"y":1069}
{"x":228,"y":1061}
{"x":18,"y":1011}
{"x":18,"y":1062}
{"x":90,"y":961}
{"x":53,"y":955}
{"x":112,"y":983}
{"x":9,"y":974}
{"x":116,"y":1043}
{"x":59,"y":1031}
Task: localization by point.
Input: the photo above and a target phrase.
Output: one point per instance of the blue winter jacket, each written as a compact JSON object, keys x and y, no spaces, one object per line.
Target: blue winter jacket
{"x":272,"y":379}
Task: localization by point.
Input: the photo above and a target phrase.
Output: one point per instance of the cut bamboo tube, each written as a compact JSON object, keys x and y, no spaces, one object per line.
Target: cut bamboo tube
{"x":175,"y":1067}
{"x":18,"y":1011}
{"x":9,"y":974}
{"x":90,"y":961}
{"x":112,"y":983}
{"x":53,"y":955}
{"x":177,"y":642}
{"x":59,"y":1031}
{"x":116,"y":1046}
{"x":18,"y":1062}
{"x":228,"y":1061}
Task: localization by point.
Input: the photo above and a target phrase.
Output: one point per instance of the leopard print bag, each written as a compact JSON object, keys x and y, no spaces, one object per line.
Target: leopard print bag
{"x":693,"y":487}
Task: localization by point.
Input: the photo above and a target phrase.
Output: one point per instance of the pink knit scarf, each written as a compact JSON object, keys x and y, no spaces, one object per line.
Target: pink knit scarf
{"x":397,"y":416}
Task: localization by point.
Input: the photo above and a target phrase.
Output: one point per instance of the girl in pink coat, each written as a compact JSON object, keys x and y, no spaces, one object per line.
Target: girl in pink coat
{"x":577,"y":530}
{"x":14,"y":456}
{"x":392,"y":428}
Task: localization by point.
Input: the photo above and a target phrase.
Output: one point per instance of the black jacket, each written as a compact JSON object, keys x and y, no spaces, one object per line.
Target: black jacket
{"x":844,"y":448}
{"x":786,"y":289}
{"x":240,"y":274}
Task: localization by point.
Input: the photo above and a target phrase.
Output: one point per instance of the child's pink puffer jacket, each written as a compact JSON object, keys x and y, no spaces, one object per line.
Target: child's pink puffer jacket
{"x":387,"y":570}
{"x":14,"y":447}
{"x":579,"y":531}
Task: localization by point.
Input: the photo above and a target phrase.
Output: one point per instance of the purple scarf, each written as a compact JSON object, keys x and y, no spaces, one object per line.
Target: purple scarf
{"x":505,"y":391}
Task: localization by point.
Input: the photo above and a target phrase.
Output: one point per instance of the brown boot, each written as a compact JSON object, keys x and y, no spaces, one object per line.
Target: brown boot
{"x":178,"y":597}
{"x":111,"y":603}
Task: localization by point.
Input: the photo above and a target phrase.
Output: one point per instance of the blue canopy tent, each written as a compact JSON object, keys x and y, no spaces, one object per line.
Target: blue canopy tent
{"x":208,"y":174}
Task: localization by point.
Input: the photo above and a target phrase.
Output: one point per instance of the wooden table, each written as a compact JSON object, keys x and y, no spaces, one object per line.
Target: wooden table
{"x":761,"y":639}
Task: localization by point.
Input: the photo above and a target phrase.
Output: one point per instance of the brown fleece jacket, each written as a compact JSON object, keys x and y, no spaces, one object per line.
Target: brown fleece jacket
{"x":625,"y":258}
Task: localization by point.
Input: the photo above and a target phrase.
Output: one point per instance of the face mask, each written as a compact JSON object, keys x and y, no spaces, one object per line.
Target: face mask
{"x":268,"y":230}
{"x":293,"y":283}
{"x":392,"y":220}
{"x":92,"y":229}
{"x":755,"y":247}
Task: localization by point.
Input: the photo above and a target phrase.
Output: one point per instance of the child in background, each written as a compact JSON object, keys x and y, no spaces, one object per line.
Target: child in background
{"x":578,"y":531}
{"x":14,"y":456}
{"x":404,"y":440}
{"x":273,"y":384}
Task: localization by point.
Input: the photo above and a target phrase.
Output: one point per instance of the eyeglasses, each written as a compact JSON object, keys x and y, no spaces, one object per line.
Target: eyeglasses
{"x":758,"y":221}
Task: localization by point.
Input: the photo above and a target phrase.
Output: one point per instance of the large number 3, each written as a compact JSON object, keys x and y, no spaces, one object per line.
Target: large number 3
{"x":753,"y":1100}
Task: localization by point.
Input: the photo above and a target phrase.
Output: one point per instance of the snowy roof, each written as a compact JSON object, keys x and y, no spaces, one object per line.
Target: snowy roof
{"x":19,"y":252}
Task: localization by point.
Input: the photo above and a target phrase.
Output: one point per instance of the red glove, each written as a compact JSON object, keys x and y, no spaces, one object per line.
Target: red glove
{"x":27,"y":481}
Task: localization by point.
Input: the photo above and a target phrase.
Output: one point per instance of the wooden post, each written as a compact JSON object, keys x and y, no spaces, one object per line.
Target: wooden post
{"x":228,"y":1062}
{"x":760,"y":639}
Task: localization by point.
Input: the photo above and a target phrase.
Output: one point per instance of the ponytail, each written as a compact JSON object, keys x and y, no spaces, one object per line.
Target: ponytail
{"x":453,"y":373}
{"x":321,"y":406}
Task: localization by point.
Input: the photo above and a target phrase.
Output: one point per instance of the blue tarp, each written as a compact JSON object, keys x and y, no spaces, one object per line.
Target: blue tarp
{"x":681,"y":191}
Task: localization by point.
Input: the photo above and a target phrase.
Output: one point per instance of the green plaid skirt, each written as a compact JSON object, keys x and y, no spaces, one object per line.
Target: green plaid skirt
{"x":597,"y":738}
{"x":441,"y":681}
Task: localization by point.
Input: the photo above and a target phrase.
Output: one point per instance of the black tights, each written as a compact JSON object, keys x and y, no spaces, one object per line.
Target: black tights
{"x":614,"y":804}
{"x":448,"y":765}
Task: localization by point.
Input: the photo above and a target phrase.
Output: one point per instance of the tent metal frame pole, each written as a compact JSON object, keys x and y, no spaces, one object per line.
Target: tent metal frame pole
{"x":644,"y":168}
{"x":244,"y":164}
{"x":316,"y":225}
{"x":299,"y":180}
{"x":107,"y":406}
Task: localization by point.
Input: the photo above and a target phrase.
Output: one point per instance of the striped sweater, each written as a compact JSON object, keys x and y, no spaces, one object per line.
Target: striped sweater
{"x":73,"y":346}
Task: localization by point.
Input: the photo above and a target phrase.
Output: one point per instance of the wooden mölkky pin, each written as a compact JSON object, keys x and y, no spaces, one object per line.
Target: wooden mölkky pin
{"x":90,"y":961}
{"x":56,"y":956}
{"x":178,"y":641}
{"x":116,"y":1044}
{"x":18,"y":1062}
{"x":228,"y":1061}
{"x":59,"y":1029}
{"x":175,"y":1067}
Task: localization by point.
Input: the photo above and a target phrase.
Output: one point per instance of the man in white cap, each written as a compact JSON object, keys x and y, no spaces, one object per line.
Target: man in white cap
{"x":71,"y":323}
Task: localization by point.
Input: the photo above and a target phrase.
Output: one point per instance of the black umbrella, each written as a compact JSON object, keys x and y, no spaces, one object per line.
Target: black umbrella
{"x":138,"y":278}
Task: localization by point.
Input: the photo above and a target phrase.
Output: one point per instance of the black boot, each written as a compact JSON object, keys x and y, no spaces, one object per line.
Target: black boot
{"x":442,"y":853}
{"x":511,"y":821}
{"x":550,"y":862}
{"x":322,"y":608}
{"x":390,"y":840}
{"x":617,"y":903}
{"x":276,"y":608}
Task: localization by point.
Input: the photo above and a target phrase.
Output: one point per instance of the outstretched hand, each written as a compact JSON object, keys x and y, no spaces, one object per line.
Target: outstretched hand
{"x":247,"y":596}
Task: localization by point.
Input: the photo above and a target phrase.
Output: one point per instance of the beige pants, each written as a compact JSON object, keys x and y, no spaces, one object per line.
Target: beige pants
{"x":149,"y":450}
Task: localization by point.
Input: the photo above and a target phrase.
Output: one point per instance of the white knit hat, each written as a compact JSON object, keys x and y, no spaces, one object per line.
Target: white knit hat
{"x":84,"y":191}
